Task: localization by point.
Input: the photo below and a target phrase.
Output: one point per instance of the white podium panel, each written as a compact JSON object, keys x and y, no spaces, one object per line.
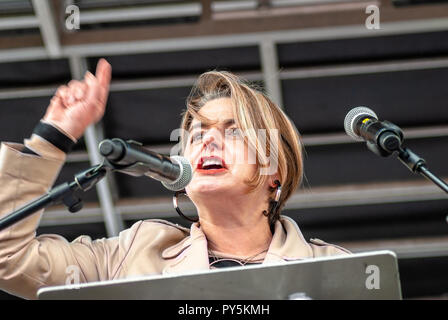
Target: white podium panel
{"x":372,"y":275}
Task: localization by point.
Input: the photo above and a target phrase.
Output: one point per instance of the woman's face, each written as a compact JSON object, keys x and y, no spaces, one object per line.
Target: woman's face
{"x":220,"y":158}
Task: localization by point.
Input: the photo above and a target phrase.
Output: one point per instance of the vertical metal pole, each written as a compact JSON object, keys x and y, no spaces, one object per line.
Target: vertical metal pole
{"x":269,"y":67}
{"x":48,"y":29}
{"x":206,"y":13}
{"x":113,"y":221}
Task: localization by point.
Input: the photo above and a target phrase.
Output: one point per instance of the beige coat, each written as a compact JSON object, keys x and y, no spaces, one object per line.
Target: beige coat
{"x":28,"y":263}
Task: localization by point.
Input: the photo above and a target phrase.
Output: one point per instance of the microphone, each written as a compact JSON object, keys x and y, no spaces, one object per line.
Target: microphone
{"x":385,"y":138}
{"x":382,"y":137}
{"x":131,"y":158}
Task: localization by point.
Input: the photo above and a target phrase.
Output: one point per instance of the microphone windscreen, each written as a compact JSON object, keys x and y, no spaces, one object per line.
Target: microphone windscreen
{"x":186,"y":174}
{"x":353,"y":116}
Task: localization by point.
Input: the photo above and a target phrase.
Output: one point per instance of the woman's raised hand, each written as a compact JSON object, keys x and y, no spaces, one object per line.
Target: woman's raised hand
{"x":80,"y":103}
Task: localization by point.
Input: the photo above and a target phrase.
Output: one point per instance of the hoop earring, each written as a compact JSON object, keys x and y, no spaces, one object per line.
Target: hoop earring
{"x":176,"y":207}
{"x":273,"y":205}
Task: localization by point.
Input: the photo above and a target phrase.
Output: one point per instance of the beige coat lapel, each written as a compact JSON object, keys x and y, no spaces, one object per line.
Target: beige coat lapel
{"x":287,"y":243}
{"x":189,"y":255}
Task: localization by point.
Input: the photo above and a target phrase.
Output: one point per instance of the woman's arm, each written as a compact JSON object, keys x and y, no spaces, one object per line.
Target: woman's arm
{"x":28,"y":171}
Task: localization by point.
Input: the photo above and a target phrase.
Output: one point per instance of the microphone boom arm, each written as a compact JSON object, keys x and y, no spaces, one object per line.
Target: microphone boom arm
{"x":389,"y":140}
{"x":418,"y":165}
{"x":83,"y":181}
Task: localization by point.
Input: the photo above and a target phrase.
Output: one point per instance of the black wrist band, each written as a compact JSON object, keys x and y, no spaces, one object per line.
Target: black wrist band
{"x":54,"y":136}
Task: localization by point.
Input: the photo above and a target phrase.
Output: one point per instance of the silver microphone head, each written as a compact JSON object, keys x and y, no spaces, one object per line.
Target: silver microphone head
{"x":185,"y":176}
{"x":353,"y":117}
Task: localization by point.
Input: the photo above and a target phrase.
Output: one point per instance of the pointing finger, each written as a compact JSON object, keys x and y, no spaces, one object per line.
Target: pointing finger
{"x":103,"y":73}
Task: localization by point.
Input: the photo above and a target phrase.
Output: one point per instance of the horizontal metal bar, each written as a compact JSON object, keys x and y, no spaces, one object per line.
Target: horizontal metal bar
{"x":19,"y":22}
{"x":148,"y":84}
{"x":159,"y":11}
{"x":91,"y":214}
{"x":61,"y":216}
{"x":366,"y":68}
{"x":235,"y":40}
{"x":316,"y":198}
{"x":224,"y":41}
{"x":23,"y":54}
{"x":356,"y":195}
{"x":218,"y":6}
{"x":140,"y":13}
{"x":119,"y":85}
{"x":170,"y":82}
{"x":29,"y":92}
{"x":426,"y":132}
{"x":307,"y":140}
{"x":406,"y":248}
{"x":312,"y":140}
{"x":77,"y":156}
{"x":284,"y":3}
{"x":285,"y":74}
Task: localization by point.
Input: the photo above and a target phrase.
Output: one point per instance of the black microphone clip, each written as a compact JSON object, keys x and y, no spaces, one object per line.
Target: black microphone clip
{"x":382,"y":137}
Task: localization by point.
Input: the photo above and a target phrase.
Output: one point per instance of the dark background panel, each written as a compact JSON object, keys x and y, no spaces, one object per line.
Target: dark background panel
{"x":404,"y":46}
{"x":422,"y":277}
{"x":71,"y":232}
{"x":354,"y":163}
{"x":182,"y":62}
{"x":146,"y":116}
{"x":41,"y":72}
{"x":140,"y":187}
{"x":373,"y":221}
{"x":9,"y":7}
{"x":18,"y":117}
{"x":408,"y":98}
{"x":404,"y":3}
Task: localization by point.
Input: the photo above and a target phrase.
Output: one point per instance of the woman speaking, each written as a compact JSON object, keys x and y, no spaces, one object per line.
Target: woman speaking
{"x":241,"y":181}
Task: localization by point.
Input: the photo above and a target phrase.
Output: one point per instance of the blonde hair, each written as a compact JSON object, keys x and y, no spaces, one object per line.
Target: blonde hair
{"x":253,"y":111}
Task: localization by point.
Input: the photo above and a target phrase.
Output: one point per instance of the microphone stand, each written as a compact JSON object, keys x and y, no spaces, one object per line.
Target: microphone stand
{"x":418,"y":165}
{"x":66,"y":192}
{"x":389,"y":140}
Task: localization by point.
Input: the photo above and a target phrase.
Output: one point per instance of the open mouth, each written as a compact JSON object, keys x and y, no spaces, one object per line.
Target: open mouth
{"x":211,"y":164}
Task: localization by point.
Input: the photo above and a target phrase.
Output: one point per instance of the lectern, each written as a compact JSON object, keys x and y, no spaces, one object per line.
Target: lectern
{"x":370,"y":275}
